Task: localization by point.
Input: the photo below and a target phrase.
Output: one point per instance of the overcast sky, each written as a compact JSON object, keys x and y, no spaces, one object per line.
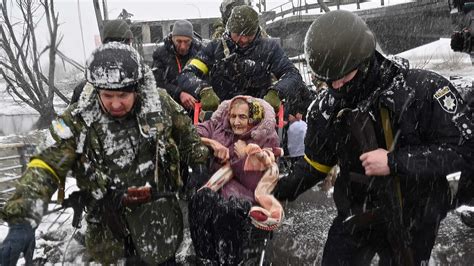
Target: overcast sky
{"x":70,"y":28}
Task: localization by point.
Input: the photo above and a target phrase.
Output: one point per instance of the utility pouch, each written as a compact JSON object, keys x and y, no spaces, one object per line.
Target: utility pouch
{"x":364,"y":220}
{"x":136,"y":195}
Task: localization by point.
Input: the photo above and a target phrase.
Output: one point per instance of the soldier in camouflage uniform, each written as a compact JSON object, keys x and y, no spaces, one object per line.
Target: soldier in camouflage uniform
{"x":122,"y":135}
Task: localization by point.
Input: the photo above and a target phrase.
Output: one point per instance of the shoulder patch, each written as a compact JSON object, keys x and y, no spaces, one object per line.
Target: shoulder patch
{"x":61,"y":129}
{"x":446,"y":99}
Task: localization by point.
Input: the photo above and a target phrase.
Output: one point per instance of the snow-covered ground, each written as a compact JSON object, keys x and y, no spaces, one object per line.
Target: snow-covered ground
{"x":58,"y":241}
{"x":438,"y":57}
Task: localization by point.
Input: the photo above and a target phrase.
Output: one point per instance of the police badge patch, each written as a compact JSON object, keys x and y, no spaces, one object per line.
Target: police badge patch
{"x":446,"y":99}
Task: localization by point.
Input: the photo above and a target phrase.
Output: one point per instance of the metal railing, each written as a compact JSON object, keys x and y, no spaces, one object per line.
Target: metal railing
{"x":12,"y":164}
{"x":304,"y":5}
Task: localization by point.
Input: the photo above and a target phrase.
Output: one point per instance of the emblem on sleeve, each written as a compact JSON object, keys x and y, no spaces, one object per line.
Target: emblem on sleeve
{"x":61,"y":129}
{"x":446,"y":99}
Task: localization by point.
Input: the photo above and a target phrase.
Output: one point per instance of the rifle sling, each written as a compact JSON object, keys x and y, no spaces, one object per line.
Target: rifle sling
{"x":388,"y":134}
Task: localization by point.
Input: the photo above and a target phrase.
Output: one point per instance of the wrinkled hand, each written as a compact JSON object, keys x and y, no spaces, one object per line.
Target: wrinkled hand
{"x":239,"y":148}
{"x":209,"y":99}
{"x":273,"y":99}
{"x":299,"y":116}
{"x":20,"y":238}
{"x":220,"y":151}
{"x":296,"y":117}
{"x":375,"y":162}
{"x":187,"y":100}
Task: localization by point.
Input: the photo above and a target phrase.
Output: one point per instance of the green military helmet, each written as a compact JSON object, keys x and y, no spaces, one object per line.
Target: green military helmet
{"x":337,"y":43}
{"x":227,"y":6}
{"x":117,"y":30}
{"x":243,"y":20}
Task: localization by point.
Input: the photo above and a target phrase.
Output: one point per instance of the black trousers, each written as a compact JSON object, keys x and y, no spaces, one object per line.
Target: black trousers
{"x":359,"y":248}
{"x":221,"y":231}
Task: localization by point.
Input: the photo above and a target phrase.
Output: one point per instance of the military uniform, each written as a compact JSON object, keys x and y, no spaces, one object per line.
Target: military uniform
{"x":106,"y":154}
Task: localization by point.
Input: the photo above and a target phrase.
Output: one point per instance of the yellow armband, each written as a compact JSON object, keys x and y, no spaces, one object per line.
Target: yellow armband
{"x":200,"y":65}
{"x":38,"y":163}
{"x":320,"y":167}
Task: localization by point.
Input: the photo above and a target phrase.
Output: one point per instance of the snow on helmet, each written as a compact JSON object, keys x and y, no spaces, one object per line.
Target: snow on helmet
{"x":227,"y":6}
{"x":243,"y":20}
{"x":337,"y":43}
{"x":114,"y":66}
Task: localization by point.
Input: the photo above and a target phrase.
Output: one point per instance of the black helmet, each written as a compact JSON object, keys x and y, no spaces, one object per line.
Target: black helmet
{"x":114,"y":66}
{"x":337,"y":43}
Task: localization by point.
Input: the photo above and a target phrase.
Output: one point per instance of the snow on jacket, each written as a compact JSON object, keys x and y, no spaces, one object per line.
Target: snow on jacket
{"x":429,"y":144}
{"x":106,"y":153}
{"x":167,"y":64}
{"x":263,"y":134}
{"x":245,"y":71}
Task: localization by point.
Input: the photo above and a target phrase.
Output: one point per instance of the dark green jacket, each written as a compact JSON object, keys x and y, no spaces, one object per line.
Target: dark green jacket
{"x":104,"y":153}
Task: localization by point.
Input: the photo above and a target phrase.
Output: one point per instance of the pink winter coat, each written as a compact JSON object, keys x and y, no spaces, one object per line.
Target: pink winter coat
{"x":264,"y":134}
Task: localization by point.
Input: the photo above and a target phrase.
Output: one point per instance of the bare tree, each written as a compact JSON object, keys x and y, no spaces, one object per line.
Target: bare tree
{"x":20,"y":55}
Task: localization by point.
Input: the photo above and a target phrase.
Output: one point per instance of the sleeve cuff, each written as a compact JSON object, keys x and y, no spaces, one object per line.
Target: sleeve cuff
{"x":200,"y":88}
{"x":392,"y":164}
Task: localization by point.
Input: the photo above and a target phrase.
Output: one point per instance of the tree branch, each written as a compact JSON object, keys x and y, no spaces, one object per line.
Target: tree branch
{"x":22,"y":57}
{"x":28,"y":17}
{"x":57,"y":91}
{"x":52,"y":22}
{"x":11,"y":87}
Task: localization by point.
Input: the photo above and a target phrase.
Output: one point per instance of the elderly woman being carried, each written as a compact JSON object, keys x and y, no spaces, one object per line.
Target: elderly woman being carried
{"x":230,"y":215}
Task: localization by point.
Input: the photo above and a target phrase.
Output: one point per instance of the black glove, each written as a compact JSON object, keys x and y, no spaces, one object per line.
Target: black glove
{"x":302,"y":178}
{"x":467,"y":216}
{"x":457,"y":41}
{"x":20,"y":238}
{"x":197,"y":178}
{"x":461,"y":41}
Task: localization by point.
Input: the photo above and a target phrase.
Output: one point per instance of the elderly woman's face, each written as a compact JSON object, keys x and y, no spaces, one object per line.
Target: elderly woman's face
{"x":239,"y":119}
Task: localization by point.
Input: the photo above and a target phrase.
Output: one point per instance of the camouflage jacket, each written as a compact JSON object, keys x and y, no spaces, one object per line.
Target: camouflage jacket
{"x":103,"y":153}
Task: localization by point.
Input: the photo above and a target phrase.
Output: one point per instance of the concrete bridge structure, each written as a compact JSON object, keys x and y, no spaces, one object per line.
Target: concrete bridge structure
{"x":398,"y":27}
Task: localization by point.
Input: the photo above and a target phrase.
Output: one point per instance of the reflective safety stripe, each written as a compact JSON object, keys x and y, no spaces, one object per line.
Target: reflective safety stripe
{"x":200,"y":65}
{"x":320,"y":167}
